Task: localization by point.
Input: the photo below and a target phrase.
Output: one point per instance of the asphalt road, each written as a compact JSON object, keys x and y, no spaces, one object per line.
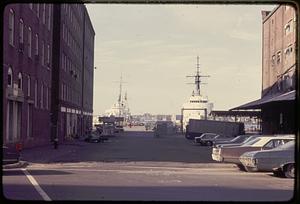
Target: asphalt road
{"x":137,"y":166}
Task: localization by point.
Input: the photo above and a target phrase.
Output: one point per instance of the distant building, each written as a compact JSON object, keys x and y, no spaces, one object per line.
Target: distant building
{"x":73,"y":56}
{"x":27,"y":70}
{"x":277,"y":101}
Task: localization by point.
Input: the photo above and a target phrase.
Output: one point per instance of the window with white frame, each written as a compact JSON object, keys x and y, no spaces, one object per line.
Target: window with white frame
{"x":44,"y":13}
{"x":48,"y":55}
{"x":29,"y":41}
{"x":11,"y":26}
{"x":36,"y":52}
{"x":28,"y":85}
{"x":20,"y":81}
{"x":43,"y":53}
{"x":21,"y":31}
{"x":47,"y":98}
{"x":9,"y":77}
{"x":42,"y":96}
{"x":49,"y":16}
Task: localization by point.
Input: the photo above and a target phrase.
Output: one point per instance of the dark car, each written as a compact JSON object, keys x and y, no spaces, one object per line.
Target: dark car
{"x":95,"y":137}
{"x":11,"y":155}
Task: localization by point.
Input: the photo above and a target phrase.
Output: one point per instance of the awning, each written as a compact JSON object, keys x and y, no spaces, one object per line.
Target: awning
{"x":257,"y":104}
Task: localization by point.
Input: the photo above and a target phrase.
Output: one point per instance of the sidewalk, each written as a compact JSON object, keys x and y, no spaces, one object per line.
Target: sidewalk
{"x":47,"y":153}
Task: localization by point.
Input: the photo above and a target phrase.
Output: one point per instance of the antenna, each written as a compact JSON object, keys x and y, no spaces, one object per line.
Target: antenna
{"x":198,"y":78}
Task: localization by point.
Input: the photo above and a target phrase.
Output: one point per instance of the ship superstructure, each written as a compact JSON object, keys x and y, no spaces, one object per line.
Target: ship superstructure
{"x":120,"y":108}
{"x":198,"y":106}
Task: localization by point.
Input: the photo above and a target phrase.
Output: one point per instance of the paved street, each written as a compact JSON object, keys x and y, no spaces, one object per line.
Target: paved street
{"x":137,"y":166}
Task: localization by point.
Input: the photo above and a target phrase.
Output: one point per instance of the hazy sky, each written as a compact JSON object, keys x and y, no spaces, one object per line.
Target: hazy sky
{"x":156,"y":46}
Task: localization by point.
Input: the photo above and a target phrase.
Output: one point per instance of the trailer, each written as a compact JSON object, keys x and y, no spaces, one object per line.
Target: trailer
{"x":197,"y":127}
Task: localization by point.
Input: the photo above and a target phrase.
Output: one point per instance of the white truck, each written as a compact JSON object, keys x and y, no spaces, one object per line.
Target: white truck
{"x":197,"y":127}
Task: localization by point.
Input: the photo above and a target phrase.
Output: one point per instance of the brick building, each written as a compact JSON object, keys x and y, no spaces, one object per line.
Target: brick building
{"x":72,"y":83}
{"x":48,"y":54}
{"x":27,"y":70}
{"x":278,"y":93}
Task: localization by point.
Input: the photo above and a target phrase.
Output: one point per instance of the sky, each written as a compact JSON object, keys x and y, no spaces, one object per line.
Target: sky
{"x":155,"y":47}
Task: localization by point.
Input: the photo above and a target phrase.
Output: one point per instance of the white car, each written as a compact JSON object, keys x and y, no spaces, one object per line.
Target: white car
{"x":232,"y":154}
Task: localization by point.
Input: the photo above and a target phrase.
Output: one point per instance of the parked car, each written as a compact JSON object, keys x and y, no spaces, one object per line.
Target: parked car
{"x":205,"y":136}
{"x":266,"y":160}
{"x":95,"y":137}
{"x":236,"y":140}
{"x":252,"y":137}
{"x":232,"y":154}
{"x":11,"y":155}
{"x":211,"y":141}
{"x":286,"y":170}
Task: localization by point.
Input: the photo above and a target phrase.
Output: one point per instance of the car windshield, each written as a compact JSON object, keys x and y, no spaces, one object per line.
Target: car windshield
{"x":287,"y":146}
{"x":208,"y":135}
{"x":235,"y":139}
{"x":249,"y":139}
{"x":251,"y":142}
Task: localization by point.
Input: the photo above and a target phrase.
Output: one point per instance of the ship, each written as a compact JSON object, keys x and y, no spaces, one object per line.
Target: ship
{"x":120,"y":108}
{"x":198,"y":105}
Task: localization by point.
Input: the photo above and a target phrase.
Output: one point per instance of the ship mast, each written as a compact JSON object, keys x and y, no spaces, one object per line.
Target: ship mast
{"x":120,"y":96}
{"x":197,"y":79}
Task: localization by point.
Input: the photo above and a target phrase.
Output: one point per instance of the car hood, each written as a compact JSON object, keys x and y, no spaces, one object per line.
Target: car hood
{"x":249,"y":154}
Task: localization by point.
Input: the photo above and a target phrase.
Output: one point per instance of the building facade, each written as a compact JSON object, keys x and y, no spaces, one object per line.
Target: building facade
{"x":277,"y":103}
{"x":27,"y":70}
{"x":48,"y":70}
{"x":72,"y":83}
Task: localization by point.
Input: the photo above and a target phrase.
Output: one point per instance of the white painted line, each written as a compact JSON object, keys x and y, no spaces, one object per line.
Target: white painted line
{"x":36,"y":186}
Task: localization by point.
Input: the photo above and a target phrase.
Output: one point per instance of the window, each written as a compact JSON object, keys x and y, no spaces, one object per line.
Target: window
{"x":29,"y":41}
{"x":62,"y":91}
{"x":42,"y":97}
{"x":36,"y":44}
{"x":273,"y":60}
{"x":278,"y":57}
{"x":38,"y":10}
{"x":35,"y":94}
{"x":47,"y":98}
{"x":19,"y":80}
{"x":49,"y":16}
{"x":44,"y":13}
{"x":48,"y":55}
{"x":9,"y":77}
{"x":11,"y":26}
{"x":43,"y":53}
{"x":288,"y":28}
{"x":28,"y":85}
{"x":63,"y":31}
{"x":21,"y":31}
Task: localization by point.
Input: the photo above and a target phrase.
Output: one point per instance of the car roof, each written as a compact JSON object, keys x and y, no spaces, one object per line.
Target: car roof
{"x":263,"y":140}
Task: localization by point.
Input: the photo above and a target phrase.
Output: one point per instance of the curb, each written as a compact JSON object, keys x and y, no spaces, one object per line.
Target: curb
{"x":20,"y":164}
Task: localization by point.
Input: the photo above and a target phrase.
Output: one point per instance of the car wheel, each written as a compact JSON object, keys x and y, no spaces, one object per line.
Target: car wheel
{"x":241,"y":167}
{"x":289,"y":171}
{"x":209,"y":143}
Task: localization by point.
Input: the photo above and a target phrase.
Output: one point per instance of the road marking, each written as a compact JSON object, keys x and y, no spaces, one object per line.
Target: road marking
{"x":36,"y":185}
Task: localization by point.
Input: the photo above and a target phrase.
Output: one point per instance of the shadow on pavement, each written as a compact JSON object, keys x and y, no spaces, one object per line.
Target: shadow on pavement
{"x":34,"y":172}
{"x":159,"y":193}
